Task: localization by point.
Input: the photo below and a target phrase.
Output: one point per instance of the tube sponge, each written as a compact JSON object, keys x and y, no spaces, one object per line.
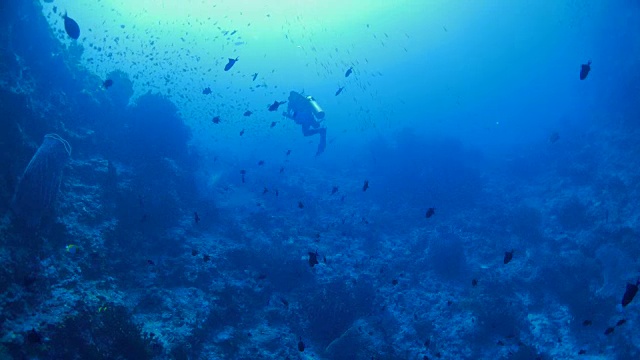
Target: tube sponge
{"x":36,"y":192}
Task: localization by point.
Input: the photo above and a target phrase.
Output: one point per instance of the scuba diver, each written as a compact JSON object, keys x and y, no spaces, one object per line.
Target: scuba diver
{"x":304,"y":110}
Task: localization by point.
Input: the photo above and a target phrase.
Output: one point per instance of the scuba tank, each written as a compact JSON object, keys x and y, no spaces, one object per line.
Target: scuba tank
{"x":315,"y":108}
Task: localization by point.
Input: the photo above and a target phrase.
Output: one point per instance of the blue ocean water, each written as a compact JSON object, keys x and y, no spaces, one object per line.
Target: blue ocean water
{"x":319,"y":179}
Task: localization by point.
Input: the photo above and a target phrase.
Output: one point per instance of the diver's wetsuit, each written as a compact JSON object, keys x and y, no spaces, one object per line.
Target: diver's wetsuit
{"x":301,"y":112}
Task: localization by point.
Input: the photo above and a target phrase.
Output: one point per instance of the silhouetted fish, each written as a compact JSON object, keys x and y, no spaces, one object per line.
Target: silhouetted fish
{"x":107,"y":83}
{"x":243,"y":173}
{"x":261,"y":162}
{"x":230,"y":64}
{"x":241,"y":132}
{"x":430,"y":212}
{"x":265,"y":190}
{"x":582,"y":352}
{"x":273,"y":124}
{"x":247,"y":113}
{"x":587,"y":323}
{"x":288,"y":152}
{"x":196,"y":217}
{"x":300,"y":205}
{"x":348,"y":72}
{"x":206,"y":258}
{"x":34,"y":337}
{"x":365,"y":186}
{"x":255,"y":75}
{"x":474,"y":282}
{"x":584,"y":70}
{"x":313,"y":258}
{"x":300,"y":345}
{"x":150,"y":262}
{"x":339,"y":90}
{"x":554,"y":137}
{"x":621,"y":322}
{"x":216,"y":120}
{"x":194,"y":252}
{"x":508,"y":255}
{"x":71,"y":27}
{"x":609,"y":330}
{"x":281,"y":169}
{"x":206,"y":91}
{"x":630,"y":293}
{"x":275,"y":105}
{"x":334,"y":190}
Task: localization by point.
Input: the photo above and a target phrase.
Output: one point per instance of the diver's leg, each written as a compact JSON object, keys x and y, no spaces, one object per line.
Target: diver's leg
{"x":307,"y":131}
{"x":323,"y":140}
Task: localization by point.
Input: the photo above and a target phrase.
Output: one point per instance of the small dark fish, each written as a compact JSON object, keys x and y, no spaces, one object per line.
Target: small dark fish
{"x":247,"y":113}
{"x":206,"y":91}
{"x":243,"y":173}
{"x":630,"y":293}
{"x":584,"y":70}
{"x":474,"y":282}
{"x":150,"y":262}
{"x":71,"y":27}
{"x":313,"y":258}
{"x":196,"y":217}
{"x":277,"y":193}
{"x":264,"y":191}
{"x":34,"y":337}
{"x":107,"y":83}
{"x":365,"y":186}
{"x":348,"y":72}
{"x":394,"y":282}
{"x":334,"y":190}
{"x":288,"y":152}
{"x":194,"y":252}
{"x":261,"y":162}
{"x":445,"y":29}
{"x":500,"y":343}
{"x":582,"y":352}
{"x":255,"y":75}
{"x":554,"y":137}
{"x":273,"y":124}
{"x":281,"y":169}
{"x":29,"y":279}
{"x":339,"y":90}
{"x":300,"y":205}
{"x":230,"y":64}
{"x":609,"y":330}
{"x":508,"y":255}
{"x":587,"y":323}
{"x":284,"y":302}
{"x":275,"y":105}
{"x":621,"y":322}
{"x":262,"y":276}
{"x":216,"y":120}
{"x":206,"y":258}
{"x":300,"y":345}
{"x":430,"y":212}
{"x":241,"y":132}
